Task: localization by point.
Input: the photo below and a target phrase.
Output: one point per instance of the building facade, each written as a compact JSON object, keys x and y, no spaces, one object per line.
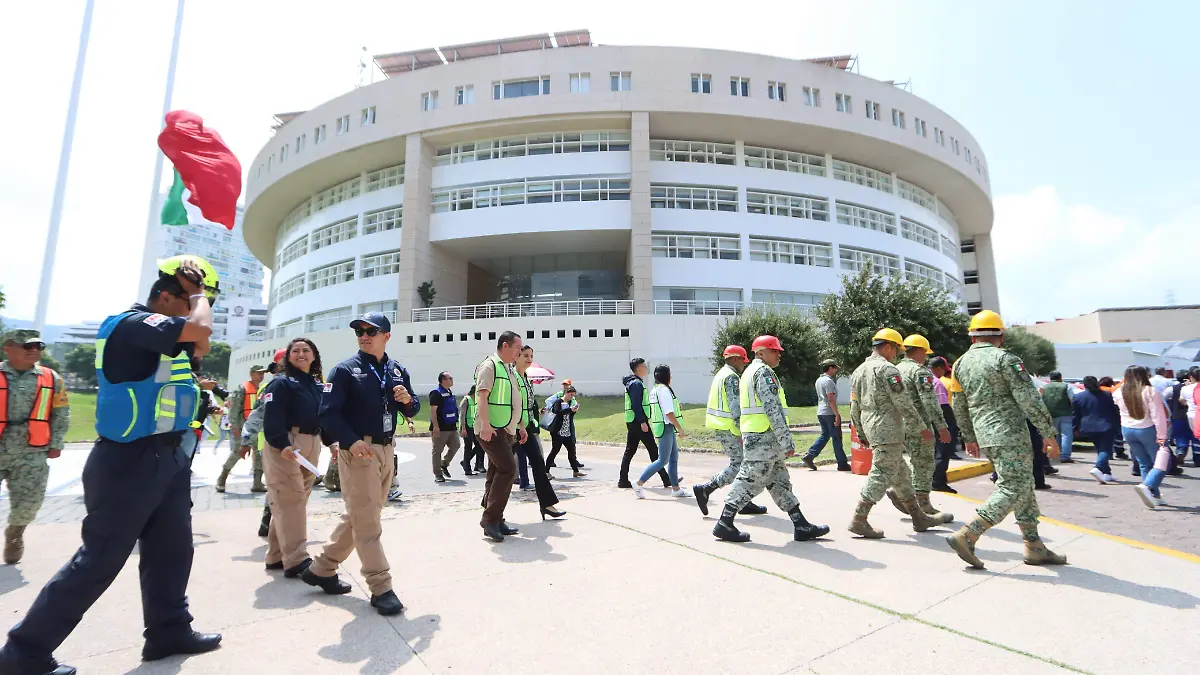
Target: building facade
{"x":1124,"y":324}
{"x":605,"y":202}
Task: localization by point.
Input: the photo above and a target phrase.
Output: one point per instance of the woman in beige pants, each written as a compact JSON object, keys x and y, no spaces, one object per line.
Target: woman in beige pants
{"x":291,"y":428}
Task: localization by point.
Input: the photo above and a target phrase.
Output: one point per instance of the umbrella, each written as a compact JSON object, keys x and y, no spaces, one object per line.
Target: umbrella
{"x":1182,"y":354}
{"x":537,"y":374}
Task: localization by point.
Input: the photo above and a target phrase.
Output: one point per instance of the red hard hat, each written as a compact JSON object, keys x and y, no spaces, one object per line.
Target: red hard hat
{"x":736,"y":350}
{"x":766,"y":342}
{"x":282,"y":352}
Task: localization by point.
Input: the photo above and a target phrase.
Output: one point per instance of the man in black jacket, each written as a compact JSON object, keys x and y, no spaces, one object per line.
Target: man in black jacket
{"x":637,"y":422}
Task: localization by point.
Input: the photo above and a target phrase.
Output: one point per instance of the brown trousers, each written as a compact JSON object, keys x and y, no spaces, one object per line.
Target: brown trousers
{"x":502,"y":468}
{"x":288,"y":488}
{"x":449,"y":441}
{"x":365,"y":485}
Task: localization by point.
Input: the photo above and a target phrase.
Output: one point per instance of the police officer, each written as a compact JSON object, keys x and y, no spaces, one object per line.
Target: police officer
{"x":34,"y":416}
{"x":879,"y":407}
{"x":241,"y":403}
{"x":137,"y":482}
{"x":768,"y":443}
{"x":358,"y":411}
{"x":443,"y":426}
{"x":918,"y":385}
{"x":724,"y":415}
{"x":993,"y":398}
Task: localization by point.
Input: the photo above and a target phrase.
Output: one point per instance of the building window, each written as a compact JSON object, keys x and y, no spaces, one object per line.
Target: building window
{"x":621,"y":81}
{"x":915,"y":271}
{"x":464,"y":95}
{"x":861,"y":175}
{"x":300,"y":140}
{"x":289,"y":289}
{"x":866,"y":218}
{"x":784,"y":204}
{"x":342,"y":230}
{"x":897,"y":118}
{"x":812,"y":97}
{"x":336,"y":194}
{"x":697,"y":152}
{"x":697,"y":198}
{"x":954,"y":144}
{"x":537,"y":144}
{"x":967,"y":246}
{"x":328,"y":320}
{"x":872,"y":110}
{"x":581,"y":83}
{"x":791,"y":252}
{"x":379,"y":264}
{"x":968,"y":154}
{"x":843,"y":103}
{"x":368,"y":116}
{"x":782,"y":160}
{"x":974,"y":308}
{"x":530,"y":191}
{"x":939,"y":136}
{"x":293,"y":251}
{"x":318,"y":134}
{"x":948,"y":247}
{"x":914,"y":231}
{"x":383,"y":220}
{"x":270,"y":161}
{"x":971,"y":277}
{"x":855,"y":260}
{"x":777,"y":91}
{"x":429,"y":100}
{"x":386,"y":307}
{"x":283,"y":154}
{"x":329,"y":275}
{"x":700,"y":246}
{"x":343,"y":125}
{"x":701,"y":83}
{"x":711,"y":301}
{"x":534,"y":86}
{"x":739,"y":86}
{"x":780,"y":298}
{"x":919,"y":127}
{"x":385,"y":178}
{"x":916,"y":195}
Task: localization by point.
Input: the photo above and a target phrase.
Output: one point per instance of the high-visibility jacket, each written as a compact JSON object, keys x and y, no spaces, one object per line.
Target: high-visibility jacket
{"x":754,"y":415}
{"x":469,"y":414}
{"x":250,"y":399}
{"x":629,"y":416}
{"x":38,"y":422}
{"x":500,"y":403}
{"x":720,"y":414}
{"x":658,"y":421}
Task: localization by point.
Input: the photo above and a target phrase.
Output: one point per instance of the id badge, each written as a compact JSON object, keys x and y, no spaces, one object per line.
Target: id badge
{"x":387,"y":423}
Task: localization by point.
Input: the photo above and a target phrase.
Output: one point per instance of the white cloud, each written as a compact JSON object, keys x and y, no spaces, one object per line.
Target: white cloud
{"x":1056,"y":260}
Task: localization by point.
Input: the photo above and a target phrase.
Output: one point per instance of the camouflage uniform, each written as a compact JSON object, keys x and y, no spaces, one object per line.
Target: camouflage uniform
{"x":765,"y":453}
{"x":24,"y":467}
{"x":237,"y":420}
{"x":918,"y":385}
{"x":879,"y":408}
{"x":732,"y":444}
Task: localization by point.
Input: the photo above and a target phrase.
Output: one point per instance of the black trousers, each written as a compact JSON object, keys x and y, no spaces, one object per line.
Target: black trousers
{"x":135,"y":493}
{"x":943,"y":451}
{"x":633,"y":436}
{"x":556,"y":443}
{"x":537,"y":465}
{"x":472,"y":451}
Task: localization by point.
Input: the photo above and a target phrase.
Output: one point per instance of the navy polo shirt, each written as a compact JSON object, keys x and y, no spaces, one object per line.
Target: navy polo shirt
{"x":132,"y":351}
{"x":353,"y":402}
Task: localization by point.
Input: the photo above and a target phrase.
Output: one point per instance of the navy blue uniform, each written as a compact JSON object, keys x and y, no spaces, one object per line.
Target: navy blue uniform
{"x":293,"y":401}
{"x":358,"y":395}
{"x":135,"y":493}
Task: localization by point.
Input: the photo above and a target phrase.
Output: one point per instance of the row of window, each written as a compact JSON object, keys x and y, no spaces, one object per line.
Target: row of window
{"x":379,"y":179}
{"x":368,"y":266}
{"x":581,"y":83}
{"x":530,"y":191}
{"x":676,"y":300}
{"x":342,"y":126}
{"x":532,"y":144}
{"x":379,"y":220}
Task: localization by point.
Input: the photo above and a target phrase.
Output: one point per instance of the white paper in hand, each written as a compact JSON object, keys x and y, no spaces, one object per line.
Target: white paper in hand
{"x":307,"y":464}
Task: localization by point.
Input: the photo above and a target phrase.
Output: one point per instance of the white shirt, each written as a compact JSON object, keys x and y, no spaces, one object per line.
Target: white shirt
{"x":1161,"y":383}
{"x":665,"y":401}
{"x":1187,"y":396}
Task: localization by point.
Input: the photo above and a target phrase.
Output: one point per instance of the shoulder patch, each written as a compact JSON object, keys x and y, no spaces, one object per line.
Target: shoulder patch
{"x":1022,"y":374}
{"x":325,"y":388}
{"x":154,"y":319}
{"x":896,"y":383}
{"x":266,"y":398}
{"x":60,"y":400}
{"x":925,"y":382}
{"x":396,"y":372}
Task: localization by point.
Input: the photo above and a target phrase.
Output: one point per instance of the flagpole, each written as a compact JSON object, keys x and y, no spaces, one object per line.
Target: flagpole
{"x":148,"y":252}
{"x":60,"y":184}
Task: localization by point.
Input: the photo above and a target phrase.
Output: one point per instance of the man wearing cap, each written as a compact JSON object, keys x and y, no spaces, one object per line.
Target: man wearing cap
{"x":241,"y":403}
{"x":878,"y":408}
{"x":768,"y":443}
{"x":443,"y":426}
{"x":918,"y":385}
{"x":724,"y":414}
{"x":359,"y":404}
{"x":829,"y":417}
{"x":34,"y":415}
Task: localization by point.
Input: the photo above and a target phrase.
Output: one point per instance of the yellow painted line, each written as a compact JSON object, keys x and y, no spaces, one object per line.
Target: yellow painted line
{"x":968,"y":471}
{"x":1181,"y":555}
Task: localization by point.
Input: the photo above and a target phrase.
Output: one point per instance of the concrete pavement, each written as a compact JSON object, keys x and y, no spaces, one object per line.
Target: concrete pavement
{"x":629,"y":586}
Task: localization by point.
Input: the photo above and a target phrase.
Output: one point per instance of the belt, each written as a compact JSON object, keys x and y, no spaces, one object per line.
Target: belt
{"x":387,"y":440}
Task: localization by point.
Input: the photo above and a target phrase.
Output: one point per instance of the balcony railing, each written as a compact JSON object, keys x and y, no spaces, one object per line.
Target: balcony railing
{"x":501,"y":310}
{"x":706,"y":307}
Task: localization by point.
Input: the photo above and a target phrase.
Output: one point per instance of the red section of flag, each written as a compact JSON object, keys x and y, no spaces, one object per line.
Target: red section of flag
{"x":208,"y":168}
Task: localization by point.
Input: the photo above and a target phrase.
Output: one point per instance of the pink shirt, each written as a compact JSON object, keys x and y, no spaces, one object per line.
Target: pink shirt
{"x":942,"y":394}
{"x":1153,"y":403}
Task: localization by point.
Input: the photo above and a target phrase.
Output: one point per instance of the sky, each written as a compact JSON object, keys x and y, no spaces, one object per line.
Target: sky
{"x":1084,"y":110}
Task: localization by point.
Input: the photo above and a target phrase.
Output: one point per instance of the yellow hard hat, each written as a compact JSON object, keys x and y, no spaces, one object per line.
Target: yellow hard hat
{"x":211,"y":282}
{"x":915,"y":340}
{"x":887,"y":335}
{"x":986,"y":322}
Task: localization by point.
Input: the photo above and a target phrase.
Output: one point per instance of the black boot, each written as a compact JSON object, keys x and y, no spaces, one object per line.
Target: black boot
{"x":804,"y":529}
{"x":193,"y":643}
{"x":752,"y":509}
{"x":726,"y":530}
{"x":265,"y":524}
{"x":702,"y":492}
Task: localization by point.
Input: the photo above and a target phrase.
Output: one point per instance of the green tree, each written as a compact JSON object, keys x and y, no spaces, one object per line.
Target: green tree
{"x":50,"y":362}
{"x":1036,"y":351}
{"x":801,"y":338}
{"x":81,"y":362}
{"x":868,"y":302}
{"x":215,"y":363}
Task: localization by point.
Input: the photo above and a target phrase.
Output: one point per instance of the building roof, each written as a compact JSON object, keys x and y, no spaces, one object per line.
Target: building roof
{"x":405,"y":62}
{"x":1161,"y":308}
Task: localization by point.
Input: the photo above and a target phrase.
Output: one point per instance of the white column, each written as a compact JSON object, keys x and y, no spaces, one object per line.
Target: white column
{"x":641,"y":264}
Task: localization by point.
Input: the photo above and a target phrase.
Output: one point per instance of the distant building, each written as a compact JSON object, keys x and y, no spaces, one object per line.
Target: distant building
{"x":1124,"y":324}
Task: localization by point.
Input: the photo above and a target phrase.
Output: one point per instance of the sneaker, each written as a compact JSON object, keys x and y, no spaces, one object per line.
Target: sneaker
{"x":1148,"y":499}
{"x":1108,"y":479}
{"x":394,"y":494}
{"x":681,"y":493}
{"x":639,"y":491}
{"x":1097,"y":474}
{"x":439,"y":478}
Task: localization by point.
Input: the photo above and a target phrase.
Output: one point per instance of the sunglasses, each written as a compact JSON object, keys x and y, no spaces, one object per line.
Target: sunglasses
{"x":369,"y":332}
{"x":36,"y":346}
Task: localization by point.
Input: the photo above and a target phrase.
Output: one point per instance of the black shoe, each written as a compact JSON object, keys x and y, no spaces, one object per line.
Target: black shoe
{"x":1051,"y":470}
{"x":552,"y":512}
{"x":387,"y":604}
{"x":725,"y":530}
{"x":264,"y":530}
{"x":493,"y":532}
{"x":318,"y":480}
{"x":479,"y":469}
{"x":1177,"y":471}
{"x":507,"y":529}
{"x":752,"y":509}
{"x":624,"y":485}
{"x":60,"y":669}
{"x":945,"y":488}
{"x":843,"y":467}
{"x":293,"y":572}
{"x":701,"y":493}
{"x":1043,"y":486}
{"x":956,"y":456}
{"x":551,"y":465}
{"x":445,"y":473}
{"x":804,"y":529}
{"x":807,"y":461}
{"x":195,"y":643}
{"x":331,"y":585}
{"x":1121,"y":455}
{"x":1066,"y":461}
{"x":578,"y":466}
{"x":466,"y":469}
{"x":275,"y":566}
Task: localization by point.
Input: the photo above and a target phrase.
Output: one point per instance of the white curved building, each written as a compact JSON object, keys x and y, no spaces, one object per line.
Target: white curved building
{"x":605,"y":202}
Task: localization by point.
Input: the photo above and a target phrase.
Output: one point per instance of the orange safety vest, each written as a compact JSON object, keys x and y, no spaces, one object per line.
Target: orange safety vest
{"x":38,"y":423}
{"x":249,"y":399}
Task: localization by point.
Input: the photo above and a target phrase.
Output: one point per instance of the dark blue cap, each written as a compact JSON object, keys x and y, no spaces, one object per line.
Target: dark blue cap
{"x":375,"y":319}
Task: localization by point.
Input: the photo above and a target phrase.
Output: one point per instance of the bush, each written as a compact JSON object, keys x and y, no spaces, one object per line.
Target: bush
{"x":1036,"y":351}
{"x":801,"y":338}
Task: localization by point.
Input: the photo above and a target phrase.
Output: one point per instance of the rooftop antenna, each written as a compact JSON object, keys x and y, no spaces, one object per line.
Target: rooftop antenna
{"x":366,"y":74}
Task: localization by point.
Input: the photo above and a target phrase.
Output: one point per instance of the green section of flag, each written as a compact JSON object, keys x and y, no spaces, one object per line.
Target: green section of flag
{"x":173,"y":212}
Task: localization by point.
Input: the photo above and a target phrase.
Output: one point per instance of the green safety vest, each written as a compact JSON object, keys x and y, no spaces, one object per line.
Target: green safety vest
{"x":658,"y":421}
{"x":524,"y":400}
{"x":754,"y":415}
{"x":469,"y":415}
{"x":645,"y":404}
{"x":719,"y":414}
{"x":500,"y":403}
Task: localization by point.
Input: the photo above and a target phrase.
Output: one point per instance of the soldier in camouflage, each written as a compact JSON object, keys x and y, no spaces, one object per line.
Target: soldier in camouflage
{"x":237,"y":418}
{"x":767,"y":443}
{"x":724,"y":414}
{"x":34,"y":416}
{"x":994,"y":396}
{"x":879,"y":408}
{"x":918,"y":386}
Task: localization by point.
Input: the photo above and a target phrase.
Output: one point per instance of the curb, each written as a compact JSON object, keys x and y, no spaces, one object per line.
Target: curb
{"x":969,"y":471}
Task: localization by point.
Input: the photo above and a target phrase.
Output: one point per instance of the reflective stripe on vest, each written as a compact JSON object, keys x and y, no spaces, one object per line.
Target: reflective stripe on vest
{"x":719,"y":414}
{"x":629,"y":417}
{"x":523,"y":386}
{"x":250,"y":399}
{"x":38,"y":423}
{"x":754,"y":415}
{"x":500,"y":403}
{"x":658,"y":421}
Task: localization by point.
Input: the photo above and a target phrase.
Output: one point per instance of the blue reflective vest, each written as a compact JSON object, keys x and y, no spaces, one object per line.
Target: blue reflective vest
{"x":165,"y":402}
{"x":447,"y":412}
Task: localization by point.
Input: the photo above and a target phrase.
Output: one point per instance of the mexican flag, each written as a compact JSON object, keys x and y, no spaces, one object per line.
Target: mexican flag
{"x":204,"y":166}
